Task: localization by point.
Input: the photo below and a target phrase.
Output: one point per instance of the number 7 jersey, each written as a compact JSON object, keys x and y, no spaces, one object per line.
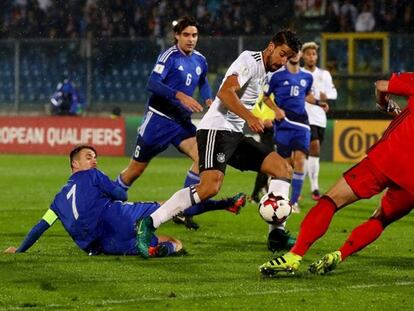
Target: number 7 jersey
{"x":80,"y":203}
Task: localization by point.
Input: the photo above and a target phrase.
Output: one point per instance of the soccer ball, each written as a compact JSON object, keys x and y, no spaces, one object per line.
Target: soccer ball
{"x":274,"y":209}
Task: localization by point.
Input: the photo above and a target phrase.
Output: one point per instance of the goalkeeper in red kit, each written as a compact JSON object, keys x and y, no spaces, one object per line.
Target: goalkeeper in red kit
{"x":388,"y":165}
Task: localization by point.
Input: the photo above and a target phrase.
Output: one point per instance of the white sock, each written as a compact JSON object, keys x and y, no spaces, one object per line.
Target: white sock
{"x":280,"y":226}
{"x":313,"y":171}
{"x":180,"y":201}
{"x":280,"y":187}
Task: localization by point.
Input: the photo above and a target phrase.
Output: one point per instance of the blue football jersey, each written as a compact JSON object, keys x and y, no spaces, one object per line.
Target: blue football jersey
{"x":81,"y":202}
{"x":290,"y":90}
{"x":179,"y":72}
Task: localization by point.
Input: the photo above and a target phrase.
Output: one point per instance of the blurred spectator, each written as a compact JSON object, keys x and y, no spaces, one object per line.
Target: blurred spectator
{"x":347,"y":15}
{"x":66,"y":101}
{"x":365,"y":21}
{"x":144,"y":18}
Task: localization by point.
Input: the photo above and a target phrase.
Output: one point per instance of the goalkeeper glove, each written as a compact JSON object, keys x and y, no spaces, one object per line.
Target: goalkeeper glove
{"x":391,"y":107}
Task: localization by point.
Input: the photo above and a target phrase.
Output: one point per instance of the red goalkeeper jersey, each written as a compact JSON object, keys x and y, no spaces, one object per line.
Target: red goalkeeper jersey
{"x":393,"y":154}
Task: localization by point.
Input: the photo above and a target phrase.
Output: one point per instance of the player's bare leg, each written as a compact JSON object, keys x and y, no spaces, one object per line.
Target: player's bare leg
{"x":131,"y":173}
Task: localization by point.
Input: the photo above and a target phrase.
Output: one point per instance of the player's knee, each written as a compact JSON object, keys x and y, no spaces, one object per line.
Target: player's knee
{"x":206,"y":190}
{"x":276,"y":166}
{"x":381,"y":217}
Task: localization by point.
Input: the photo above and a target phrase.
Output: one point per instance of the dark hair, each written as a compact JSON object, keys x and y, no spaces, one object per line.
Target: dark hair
{"x":183,"y":23}
{"x":75,"y":151}
{"x":289,"y":38}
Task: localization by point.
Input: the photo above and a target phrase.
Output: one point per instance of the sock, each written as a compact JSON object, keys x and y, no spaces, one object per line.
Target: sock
{"x":182,"y":199}
{"x":191,"y":179}
{"x":121,"y":183}
{"x":314,"y":225}
{"x":209,"y":205}
{"x":297,"y":183}
{"x":260,"y":183}
{"x":362,"y":236}
{"x":279,"y":226}
{"x":279,"y":187}
{"x":313,"y":171}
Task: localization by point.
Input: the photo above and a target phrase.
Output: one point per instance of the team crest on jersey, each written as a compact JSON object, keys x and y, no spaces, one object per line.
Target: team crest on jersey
{"x":303,"y":82}
{"x":245,"y":71}
{"x":181,"y":68}
{"x":286,"y":82}
{"x":221,"y":157}
{"x":198,"y":70}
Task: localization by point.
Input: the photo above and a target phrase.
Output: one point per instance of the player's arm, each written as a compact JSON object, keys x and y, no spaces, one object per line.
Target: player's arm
{"x":205,"y":89}
{"x":384,"y":102}
{"x":110,"y":188}
{"x":157,"y":86}
{"x":228,"y":95}
{"x":330,"y":90}
{"x":35,"y":233}
{"x":279,"y":113}
{"x":323,"y":102}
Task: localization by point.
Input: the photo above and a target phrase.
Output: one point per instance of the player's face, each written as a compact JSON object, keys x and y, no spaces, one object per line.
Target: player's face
{"x":85,"y":160}
{"x":310,"y":57}
{"x":187,"y":39}
{"x":278,"y":56}
{"x":294,"y":60}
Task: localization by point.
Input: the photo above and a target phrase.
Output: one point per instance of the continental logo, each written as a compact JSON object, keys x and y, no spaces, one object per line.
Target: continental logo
{"x":352,"y":138}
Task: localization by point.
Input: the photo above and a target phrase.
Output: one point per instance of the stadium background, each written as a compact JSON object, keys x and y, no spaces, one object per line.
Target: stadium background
{"x":108,"y":49}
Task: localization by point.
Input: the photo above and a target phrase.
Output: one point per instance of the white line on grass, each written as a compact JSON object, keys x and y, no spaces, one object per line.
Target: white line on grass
{"x":213,"y":295}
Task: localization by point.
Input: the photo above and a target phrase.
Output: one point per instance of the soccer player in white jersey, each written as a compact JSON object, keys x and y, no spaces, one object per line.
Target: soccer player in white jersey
{"x":323,"y":90}
{"x":220,"y":137}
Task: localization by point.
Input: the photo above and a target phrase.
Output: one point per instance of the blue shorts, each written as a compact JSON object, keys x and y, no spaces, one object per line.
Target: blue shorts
{"x":119,"y":219}
{"x":289,"y":138}
{"x":157,"y":133}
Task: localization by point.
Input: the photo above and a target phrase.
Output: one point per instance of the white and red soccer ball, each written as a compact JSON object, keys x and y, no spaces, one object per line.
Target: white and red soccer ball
{"x":274,"y":209}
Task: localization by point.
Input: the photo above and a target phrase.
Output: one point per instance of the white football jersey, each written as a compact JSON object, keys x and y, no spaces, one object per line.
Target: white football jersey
{"x":250,"y":71}
{"x":322,"y":82}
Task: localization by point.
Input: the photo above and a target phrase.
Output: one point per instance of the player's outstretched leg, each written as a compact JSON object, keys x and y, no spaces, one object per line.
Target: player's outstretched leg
{"x":145,"y":232}
{"x":326,"y":264}
{"x":238,"y":201}
{"x":288,"y":263}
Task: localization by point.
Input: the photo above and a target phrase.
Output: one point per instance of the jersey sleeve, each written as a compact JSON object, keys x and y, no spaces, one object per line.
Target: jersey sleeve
{"x":270,"y":85}
{"x":163,"y":65}
{"x":309,"y":85}
{"x":328,"y":86}
{"x":204,"y":86}
{"x":401,"y":84}
{"x":109,"y":187}
{"x":36,"y":232}
{"x":242,"y":68}
{"x":159,"y":73}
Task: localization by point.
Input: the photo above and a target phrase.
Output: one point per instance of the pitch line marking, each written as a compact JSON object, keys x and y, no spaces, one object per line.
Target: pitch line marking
{"x":224,"y":295}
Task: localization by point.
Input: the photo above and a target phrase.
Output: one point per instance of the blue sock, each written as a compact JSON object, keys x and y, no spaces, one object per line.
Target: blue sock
{"x":191,"y":179}
{"x":297,"y":183}
{"x":209,"y":205}
{"x":121,"y":183}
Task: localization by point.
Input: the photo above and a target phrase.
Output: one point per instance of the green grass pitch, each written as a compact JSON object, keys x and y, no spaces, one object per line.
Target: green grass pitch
{"x":221,"y":270}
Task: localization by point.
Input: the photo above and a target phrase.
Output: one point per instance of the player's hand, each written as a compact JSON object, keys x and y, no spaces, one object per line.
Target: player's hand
{"x":391,"y":107}
{"x":209,"y":102}
{"x":255,"y":124}
{"x":324,"y":105}
{"x":280,"y":114}
{"x":10,"y":250}
{"x":323,"y":97}
{"x":189,"y":102}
